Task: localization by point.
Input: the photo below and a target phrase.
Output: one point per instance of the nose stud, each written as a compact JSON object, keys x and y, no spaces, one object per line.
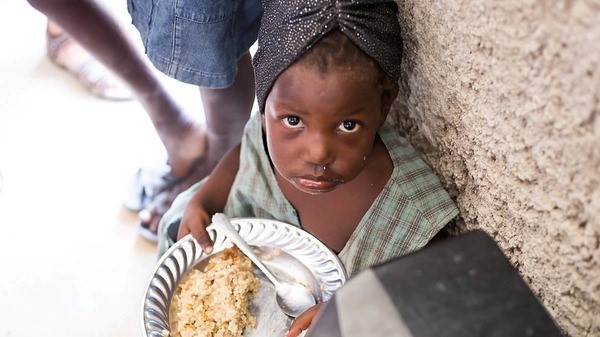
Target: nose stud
{"x":320,"y":169}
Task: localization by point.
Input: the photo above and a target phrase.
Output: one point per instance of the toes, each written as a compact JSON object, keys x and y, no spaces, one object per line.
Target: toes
{"x":149,"y":218}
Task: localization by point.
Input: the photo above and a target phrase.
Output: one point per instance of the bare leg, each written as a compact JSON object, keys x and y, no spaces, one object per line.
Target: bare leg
{"x":94,"y":29}
{"x":227,"y":111}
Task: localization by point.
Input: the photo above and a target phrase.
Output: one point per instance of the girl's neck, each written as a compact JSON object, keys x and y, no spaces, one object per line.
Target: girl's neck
{"x":333,"y":216}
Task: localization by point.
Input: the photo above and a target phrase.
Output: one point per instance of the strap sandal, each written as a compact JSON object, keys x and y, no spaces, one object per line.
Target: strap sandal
{"x":149,"y":218}
{"x":147,"y":184}
{"x":96,"y":78}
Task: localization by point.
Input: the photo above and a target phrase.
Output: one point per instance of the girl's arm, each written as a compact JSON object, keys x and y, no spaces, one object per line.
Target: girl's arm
{"x":210,"y":199}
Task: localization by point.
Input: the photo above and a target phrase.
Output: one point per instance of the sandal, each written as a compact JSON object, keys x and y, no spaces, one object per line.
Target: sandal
{"x":149,"y":217}
{"x":150,"y":193}
{"x":147,"y":184}
{"x":89,"y":72}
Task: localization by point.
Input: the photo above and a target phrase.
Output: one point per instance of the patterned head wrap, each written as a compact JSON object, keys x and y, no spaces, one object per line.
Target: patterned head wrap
{"x":291,"y":27}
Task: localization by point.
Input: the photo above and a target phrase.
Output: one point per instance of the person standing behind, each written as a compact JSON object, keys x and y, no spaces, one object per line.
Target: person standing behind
{"x":205,"y":43}
{"x":192,"y":149}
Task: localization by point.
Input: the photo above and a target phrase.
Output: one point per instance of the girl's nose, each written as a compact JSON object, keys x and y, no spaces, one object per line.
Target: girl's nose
{"x":320,"y":150}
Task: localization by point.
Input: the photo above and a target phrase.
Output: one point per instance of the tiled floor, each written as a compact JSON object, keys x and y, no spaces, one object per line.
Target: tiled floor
{"x":71,"y":261}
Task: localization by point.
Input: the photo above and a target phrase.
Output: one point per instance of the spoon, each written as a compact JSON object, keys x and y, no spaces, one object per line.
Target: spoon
{"x":292,"y":297}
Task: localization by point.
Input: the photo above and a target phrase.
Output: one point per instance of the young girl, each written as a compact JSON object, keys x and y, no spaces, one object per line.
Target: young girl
{"x":320,"y":154}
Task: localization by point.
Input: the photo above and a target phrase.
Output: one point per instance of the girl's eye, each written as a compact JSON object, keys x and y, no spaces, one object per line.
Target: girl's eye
{"x":348,"y":126}
{"x":292,"y":122}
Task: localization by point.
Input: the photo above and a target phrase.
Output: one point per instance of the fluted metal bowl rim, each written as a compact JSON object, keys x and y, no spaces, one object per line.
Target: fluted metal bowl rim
{"x":186,"y":253}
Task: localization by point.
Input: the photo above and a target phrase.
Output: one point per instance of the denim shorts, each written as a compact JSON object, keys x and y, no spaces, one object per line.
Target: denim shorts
{"x":197,"y":41}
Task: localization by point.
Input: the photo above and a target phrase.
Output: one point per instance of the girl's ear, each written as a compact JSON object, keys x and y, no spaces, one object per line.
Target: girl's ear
{"x":388,"y":96}
{"x":262,"y":121}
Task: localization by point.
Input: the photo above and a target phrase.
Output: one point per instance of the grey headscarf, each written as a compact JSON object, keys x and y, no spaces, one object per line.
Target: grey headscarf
{"x":290,"y":27}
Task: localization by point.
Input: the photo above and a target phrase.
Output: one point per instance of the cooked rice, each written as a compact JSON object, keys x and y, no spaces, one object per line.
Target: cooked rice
{"x":215,"y":302}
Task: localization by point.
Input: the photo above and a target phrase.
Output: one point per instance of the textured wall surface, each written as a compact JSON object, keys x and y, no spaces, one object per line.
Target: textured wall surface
{"x":502,"y":97}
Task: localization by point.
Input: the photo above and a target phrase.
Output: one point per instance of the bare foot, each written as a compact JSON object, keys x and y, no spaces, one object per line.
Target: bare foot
{"x":183,"y":137}
{"x":192,"y":150}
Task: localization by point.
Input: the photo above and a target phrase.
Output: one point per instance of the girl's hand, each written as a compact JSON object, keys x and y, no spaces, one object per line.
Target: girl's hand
{"x":210,"y":199}
{"x":195,"y":219}
{"x":303,"y":321}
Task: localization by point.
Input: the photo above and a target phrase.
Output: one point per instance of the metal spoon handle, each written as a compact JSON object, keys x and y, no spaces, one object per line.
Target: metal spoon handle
{"x":221,"y":222}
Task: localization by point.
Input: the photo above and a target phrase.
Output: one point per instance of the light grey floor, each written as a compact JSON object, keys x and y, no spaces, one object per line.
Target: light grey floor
{"x":71,"y":261}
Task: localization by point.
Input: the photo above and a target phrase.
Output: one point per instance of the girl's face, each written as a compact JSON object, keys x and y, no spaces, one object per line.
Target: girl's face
{"x":320,"y":129}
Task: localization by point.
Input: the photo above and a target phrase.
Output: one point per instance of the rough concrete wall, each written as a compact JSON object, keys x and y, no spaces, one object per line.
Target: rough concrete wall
{"x":502,"y":97}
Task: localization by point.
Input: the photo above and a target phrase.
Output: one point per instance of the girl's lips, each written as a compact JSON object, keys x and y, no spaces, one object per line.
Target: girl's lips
{"x":316,"y":184}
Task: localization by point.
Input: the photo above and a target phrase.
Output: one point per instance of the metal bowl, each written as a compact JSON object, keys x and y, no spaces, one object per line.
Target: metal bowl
{"x":306,"y":252}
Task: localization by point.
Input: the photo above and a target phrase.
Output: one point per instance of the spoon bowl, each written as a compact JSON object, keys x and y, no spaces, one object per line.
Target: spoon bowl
{"x":286,"y":267}
{"x":292,"y":296}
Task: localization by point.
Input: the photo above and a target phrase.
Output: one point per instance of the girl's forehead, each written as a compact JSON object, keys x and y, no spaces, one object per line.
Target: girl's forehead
{"x":339,"y":94}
